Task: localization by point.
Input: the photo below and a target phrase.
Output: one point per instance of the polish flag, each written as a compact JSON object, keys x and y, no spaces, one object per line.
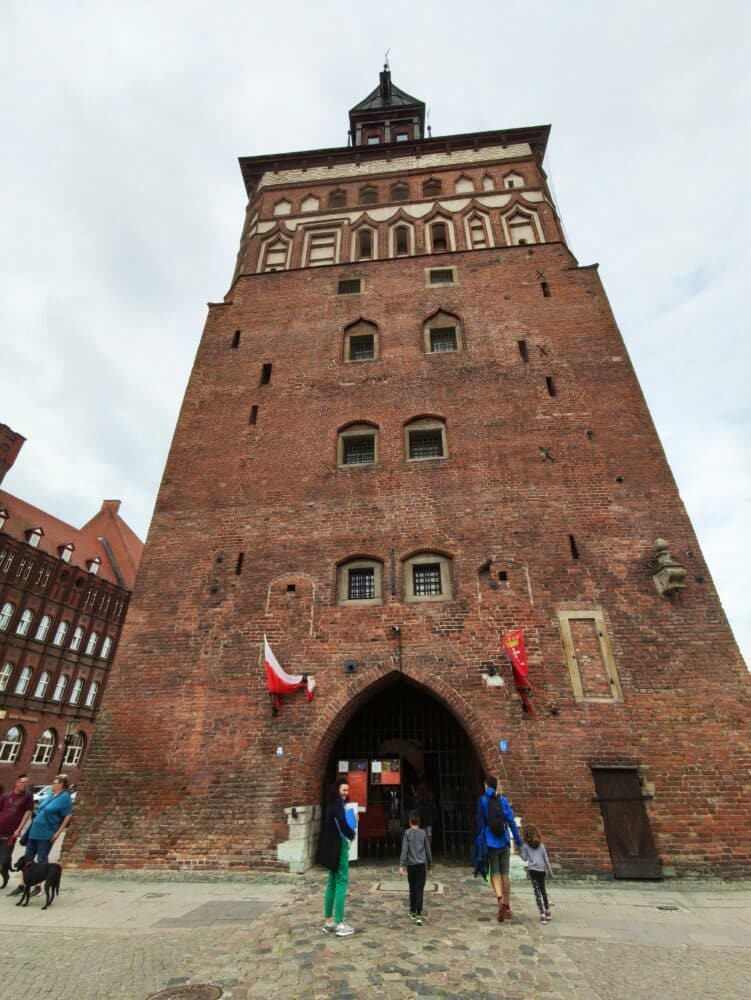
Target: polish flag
{"x":280,"y":682}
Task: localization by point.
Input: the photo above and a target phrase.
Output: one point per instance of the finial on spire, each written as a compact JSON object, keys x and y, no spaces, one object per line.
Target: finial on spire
{"x":386,"y":60}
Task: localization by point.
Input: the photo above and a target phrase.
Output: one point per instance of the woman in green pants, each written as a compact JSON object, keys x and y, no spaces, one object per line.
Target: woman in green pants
{"x":338,"y":835}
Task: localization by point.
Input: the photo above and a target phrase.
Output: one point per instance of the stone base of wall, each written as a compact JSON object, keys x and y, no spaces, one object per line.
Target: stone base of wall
{"x":299,"y":850}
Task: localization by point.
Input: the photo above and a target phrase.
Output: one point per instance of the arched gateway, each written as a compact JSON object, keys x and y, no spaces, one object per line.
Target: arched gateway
{"x":404,"y":749}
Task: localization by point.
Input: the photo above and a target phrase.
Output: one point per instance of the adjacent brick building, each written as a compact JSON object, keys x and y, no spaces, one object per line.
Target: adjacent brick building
{"x":411,"y":427}
{"x":64,"y":593}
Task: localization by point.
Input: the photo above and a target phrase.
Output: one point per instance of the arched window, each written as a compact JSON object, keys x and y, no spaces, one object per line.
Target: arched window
{"x":364,"y":244}
{"x":22,"y":684}
{"x":442,"y":332}
{"x":42,"y":684}
{"x":431,"y":188}
{"x":399,"y":191}
{"x":45,"y":748}
{"x":75,"y":694}
{"x":359,"y":582}
{"x":24,"y":622}
{"x":361,"y":341}
{"x":43,"y":628}
{"x":62,"y":683}
{"x":477,"y":228}
{"x":427,"y":577}
{"x":337,"y":198}
{"x":106,"y":647}
{"x":275,"y":255}
{"x":425,"y":438}
{"x":5,"y":676}
{"x":91,"y":644}
{"x":521,"y":228}
{"x":75,"y":642}
{"x":91,"y":694}
{"x":368,"y":195}
{"x":401,"y":240}
{"x":6,"y":614}
{"x":358,"y":445}
{"x":439,"y":237}
{"x":74,"y":750}
{"x":60,"y":633}
{"x":11,"y":745}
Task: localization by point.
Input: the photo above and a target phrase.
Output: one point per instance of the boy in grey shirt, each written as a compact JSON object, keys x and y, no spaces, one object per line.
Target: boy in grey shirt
{"x":418,"y":859}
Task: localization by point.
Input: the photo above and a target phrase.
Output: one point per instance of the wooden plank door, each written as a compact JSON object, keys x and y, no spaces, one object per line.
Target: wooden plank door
{"x":627,"y":830}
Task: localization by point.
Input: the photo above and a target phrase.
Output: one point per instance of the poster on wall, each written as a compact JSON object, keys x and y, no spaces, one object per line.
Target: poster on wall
{"x":357,"y":776}
{"x":385,"y":772}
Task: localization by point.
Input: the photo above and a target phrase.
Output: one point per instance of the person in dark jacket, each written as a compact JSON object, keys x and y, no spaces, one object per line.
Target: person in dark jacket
{"x":337,"y":828}
{"x":493,"y":825}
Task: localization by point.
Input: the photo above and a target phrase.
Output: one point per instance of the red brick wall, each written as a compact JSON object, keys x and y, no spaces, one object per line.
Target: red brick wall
{"x":183,"y":764}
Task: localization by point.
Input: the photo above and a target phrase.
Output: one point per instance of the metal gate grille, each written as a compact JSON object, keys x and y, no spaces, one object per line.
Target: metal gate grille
{"x":404,"y":722}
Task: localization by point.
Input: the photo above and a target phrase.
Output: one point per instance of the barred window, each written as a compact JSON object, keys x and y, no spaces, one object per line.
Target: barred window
{"x":426,"y":444}
{"x":427,"y":579}
{"x":359,"y":450}
{"x":349,"y":286}
{"x":362,"y":347}
{"x":441,"y":276}
{"x":442,"y":338}
{"x":361,"y":584}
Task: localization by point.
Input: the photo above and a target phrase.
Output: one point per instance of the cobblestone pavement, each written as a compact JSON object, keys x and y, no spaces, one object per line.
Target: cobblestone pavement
{"x":260,"y":936}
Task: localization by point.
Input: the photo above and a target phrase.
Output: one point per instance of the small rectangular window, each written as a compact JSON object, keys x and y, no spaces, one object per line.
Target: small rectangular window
{"x":359,"y":449}
{"x":236,"y":339}
{"x":442,"y":338}
{"x":523,"y":353}
{"x":266,"y":373}
{"x":361,"y":584}
{"x":349,"y":286}
{"x":239,"y":563}
{"x":551,"y":385}
{"x":253,"y":414}
{"x":427,"y":579}
{"x":442,"y":276}
{"x":373,"y":140}
{"x":545,"y":289}
{"x":426,"y":444}
{"x":362,"y":347}
{"x":573,"y":546}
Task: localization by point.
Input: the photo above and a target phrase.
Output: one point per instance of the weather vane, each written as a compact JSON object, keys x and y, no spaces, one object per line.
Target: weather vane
{"x":386,"y":59}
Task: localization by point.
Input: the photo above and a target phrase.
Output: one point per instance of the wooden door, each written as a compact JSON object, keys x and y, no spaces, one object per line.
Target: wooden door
{"x":629,"y":835}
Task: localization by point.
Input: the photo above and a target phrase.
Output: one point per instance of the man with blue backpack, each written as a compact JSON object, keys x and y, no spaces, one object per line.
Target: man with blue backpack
{"x":494,"y":820}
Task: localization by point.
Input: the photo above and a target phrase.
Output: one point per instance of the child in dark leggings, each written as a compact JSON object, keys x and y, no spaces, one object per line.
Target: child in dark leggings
{"x":533,"y":851}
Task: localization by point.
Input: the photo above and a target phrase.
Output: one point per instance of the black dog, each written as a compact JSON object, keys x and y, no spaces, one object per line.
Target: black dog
{"x":6,"y":856}
{"x":34,"y":874}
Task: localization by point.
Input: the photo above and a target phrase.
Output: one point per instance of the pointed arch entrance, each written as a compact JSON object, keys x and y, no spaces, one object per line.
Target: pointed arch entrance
{"x":410,"y":751}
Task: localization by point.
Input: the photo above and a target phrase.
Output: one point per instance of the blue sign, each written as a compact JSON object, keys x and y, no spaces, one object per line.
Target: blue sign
{"x":503,"y":745}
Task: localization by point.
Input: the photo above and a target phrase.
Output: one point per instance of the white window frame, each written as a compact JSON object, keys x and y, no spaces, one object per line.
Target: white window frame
{"x":43,"y":750}
{"x":76,"y":638}
{"x":24,"y":622}
{"x":91,"y":643}
{"x":43,"y":628}
{"x":91,"y":694}
{"x":61,"y":634}
{"x":10,"y":748}
{"x":5,"y":675}
{"x":104,"y":653}
{"x":42,"y":684}
{"x":75,"y":694}
{"x":73,"y":750}
{"x":23,"y":680}
{"x":59,"y":693}
{"x":6,"y":613}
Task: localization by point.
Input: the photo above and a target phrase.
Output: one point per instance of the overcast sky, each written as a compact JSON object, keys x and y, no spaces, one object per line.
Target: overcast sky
{"x":121,"y":205}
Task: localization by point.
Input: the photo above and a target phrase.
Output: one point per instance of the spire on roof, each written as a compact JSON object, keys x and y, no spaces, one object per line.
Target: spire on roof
{"x":386,"y":115}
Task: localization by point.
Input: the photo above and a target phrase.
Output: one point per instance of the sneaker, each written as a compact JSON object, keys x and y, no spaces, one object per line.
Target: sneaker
{"x":412,"y":916}
{"x":344,"y":930}
{"x":543,"y":918}
{"x":548,"y":915}
{"x":418,"y":920}
{"x":330,"y":926}
{"x":17,"y":891}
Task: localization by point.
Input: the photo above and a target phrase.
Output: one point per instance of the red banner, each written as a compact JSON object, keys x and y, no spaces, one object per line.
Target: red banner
{"x":513,"y":643}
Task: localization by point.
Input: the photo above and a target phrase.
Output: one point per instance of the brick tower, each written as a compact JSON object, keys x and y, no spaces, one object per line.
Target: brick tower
{"x":412,"y":427}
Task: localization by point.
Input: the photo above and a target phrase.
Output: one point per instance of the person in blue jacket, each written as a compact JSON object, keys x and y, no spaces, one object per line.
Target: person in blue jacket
{"x":494,"y":820}
{"x":341,"y":831}
{"x":49,"y":822}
